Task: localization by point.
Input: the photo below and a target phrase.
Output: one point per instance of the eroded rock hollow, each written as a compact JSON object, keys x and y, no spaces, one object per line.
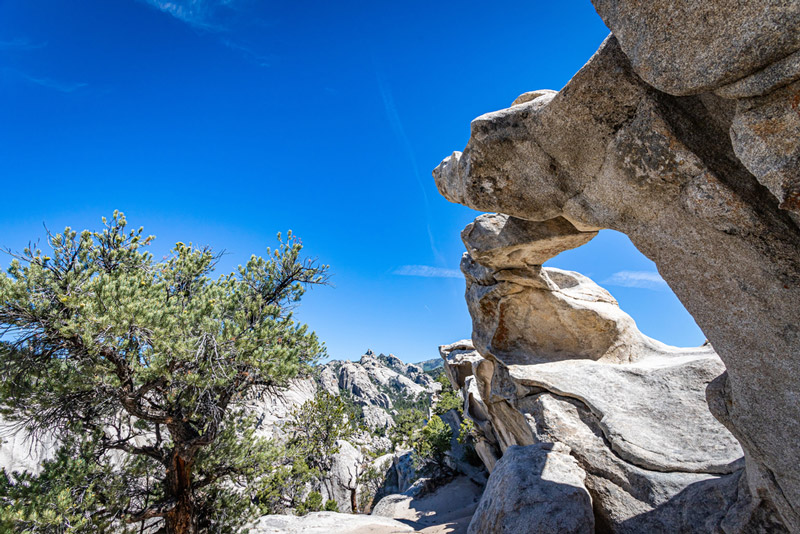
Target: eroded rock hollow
{"x":685,"y":137}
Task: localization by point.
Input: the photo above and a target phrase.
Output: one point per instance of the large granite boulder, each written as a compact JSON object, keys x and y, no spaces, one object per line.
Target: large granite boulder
{"x":274,"y":409}
{"x":341,"y":483}
{"x":537,"y":489}
{"x":460,"y":356}
{"x":21,"y":451}
{"x":687,"y":47}
{"x":706,"y":185}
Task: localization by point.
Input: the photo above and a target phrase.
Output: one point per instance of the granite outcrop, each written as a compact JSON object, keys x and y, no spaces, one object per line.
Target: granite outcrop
{"x":555,"y":368}
{"x":685,"y":136}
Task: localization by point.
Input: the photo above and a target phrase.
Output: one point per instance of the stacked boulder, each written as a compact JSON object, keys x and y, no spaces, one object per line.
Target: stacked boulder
{"x":559,"y":377}
{"x":683,"y":132}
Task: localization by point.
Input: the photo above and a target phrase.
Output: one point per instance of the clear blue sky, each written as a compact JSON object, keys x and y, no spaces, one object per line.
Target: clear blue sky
{"x":222,"y":122}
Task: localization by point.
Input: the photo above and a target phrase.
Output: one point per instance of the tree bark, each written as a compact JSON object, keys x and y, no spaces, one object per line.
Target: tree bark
{"x":183,"y":518}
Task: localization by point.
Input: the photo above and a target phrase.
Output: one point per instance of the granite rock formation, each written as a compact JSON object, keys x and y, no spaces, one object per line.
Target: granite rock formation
{"x":376,"y":382}
{"x":685,"y":136}
{"x":537,"y":488}
{"x":559,"y":363}
{"x":444,"y":509}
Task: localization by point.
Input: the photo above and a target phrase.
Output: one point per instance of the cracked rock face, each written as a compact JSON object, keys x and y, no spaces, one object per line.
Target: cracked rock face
{"x":652,"y":456}
{"x":705,"y":185}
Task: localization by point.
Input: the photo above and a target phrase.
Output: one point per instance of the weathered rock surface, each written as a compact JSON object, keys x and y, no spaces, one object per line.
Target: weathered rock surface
{"x":637,"y":423}
{"x":535,"y":489}
{"x":374,"y":381}
{"x":460,"y":357}
{"x":705,"y":185}
{"x":328,"y":523}
{"x":558,"y":362}
{"x":407,"y":373}
{"x":405,"y":469}
{"x":275,"y":409}
{"x":685,"y":47}
{"x":341,"y":484}
{"x":19,"y":451}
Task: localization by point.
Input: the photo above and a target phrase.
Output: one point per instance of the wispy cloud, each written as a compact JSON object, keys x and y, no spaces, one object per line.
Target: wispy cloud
{"x":63,"y":87}
{"x":21,"y":44}
{"x":198,"y":13}
{"x":427,"y":271}
{"x":216,"y":16}
{"x":639,"y":279}
{"x":259,"y":59}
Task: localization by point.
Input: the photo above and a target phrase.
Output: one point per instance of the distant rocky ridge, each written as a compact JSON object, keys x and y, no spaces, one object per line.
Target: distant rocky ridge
{"x":430,"y":365}
{"x":377,"y":383}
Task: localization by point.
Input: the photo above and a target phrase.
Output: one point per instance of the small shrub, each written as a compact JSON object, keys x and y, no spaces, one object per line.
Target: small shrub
{"x":313,"y":503}
{"x":432,"y":443}
{"x":449,"y":398}
{"x":370,"y":481}
{"x":407,"y":422}
{"x":331,"y":506}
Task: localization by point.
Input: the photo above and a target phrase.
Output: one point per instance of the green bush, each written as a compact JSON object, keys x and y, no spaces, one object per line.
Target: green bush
{"x":449,"y":398}
{"x":407,"y":422}
{"x":432,"y":443}
{"x":331,"y":506}
{"x":313,"y":503}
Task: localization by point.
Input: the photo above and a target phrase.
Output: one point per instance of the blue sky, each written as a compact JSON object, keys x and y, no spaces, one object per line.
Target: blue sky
{"x":223,"y":122}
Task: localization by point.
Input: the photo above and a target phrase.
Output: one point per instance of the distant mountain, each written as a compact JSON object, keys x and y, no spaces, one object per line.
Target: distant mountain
{"x":430,"y":365}
{"x":380,"y":384}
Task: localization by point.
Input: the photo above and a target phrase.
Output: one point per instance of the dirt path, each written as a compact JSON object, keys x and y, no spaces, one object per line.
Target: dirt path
{"x":448,"y":510}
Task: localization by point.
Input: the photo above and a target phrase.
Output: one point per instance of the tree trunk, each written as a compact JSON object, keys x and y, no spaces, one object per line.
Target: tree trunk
{"x":183,"y":518}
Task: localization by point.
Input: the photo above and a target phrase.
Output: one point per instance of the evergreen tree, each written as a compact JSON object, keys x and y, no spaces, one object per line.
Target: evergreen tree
{"x":316,"y":426}
{"x":137,"y":366}
{"x":449,"y":398}
{"x":431,"y":444}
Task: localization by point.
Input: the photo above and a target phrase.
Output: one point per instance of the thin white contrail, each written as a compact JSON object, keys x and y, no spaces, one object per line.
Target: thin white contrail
{"x":399,"y":131}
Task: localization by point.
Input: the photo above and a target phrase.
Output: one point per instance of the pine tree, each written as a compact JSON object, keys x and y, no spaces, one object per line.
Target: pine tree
{"x":138,"y":367}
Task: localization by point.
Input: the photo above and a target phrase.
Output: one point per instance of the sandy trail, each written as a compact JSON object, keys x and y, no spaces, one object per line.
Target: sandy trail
{"x":448,"y":510}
